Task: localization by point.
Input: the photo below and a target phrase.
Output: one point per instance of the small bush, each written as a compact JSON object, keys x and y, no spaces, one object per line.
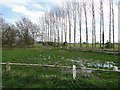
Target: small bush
{"x":84,"y":42}
{"x":48,"y":43}
{"x":65,"y":44}
{"x":108,"y":45}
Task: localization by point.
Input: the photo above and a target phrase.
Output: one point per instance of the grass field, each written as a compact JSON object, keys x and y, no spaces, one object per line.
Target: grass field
{"x":39,"y":77}
{"x":83,"y":46}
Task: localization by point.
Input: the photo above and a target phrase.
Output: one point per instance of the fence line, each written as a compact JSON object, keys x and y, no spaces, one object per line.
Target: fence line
{"x":57,"y":66}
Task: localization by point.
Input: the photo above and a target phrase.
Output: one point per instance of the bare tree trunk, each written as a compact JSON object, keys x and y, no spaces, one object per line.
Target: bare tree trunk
{"x":62,"y":30}
{"x":93,"y":27}
{"x":113,"y":24}
{"x":100,"y":20}
{"x":55,"y":32}
{"x":110,"y":24}
{"x":48,"y":31}
{"x":58,"y":32}
{"x":54,"y":28}
{"x":74,"y":19}
{"x":80,"y":20}
{"x":84,"y":6}
{"x":47,"y":27}
{"x":50,"y":23}
{"x":66,"y":29}
{"x":80,"y":9}
{"x":69,"y":29}
{"x":101,"y":25}
{"x":65,"y":22}
{"x":80,"y":30}
{"x":55,"y":38}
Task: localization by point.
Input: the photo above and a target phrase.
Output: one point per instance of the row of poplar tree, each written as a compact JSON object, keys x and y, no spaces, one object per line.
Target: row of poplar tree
{"x":57,"y":25}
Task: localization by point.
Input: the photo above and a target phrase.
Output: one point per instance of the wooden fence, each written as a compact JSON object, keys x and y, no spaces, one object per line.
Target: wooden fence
{"x":54,"y":66}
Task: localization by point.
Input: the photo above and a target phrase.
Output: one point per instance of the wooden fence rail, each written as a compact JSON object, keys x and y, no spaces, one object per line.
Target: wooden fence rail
{"x":57,"y":66}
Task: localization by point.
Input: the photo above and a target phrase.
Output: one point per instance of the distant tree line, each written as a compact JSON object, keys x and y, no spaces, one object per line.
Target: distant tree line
{"x":58,"y":26}
{"x":21,"y":34}
{"x":61,"y":24}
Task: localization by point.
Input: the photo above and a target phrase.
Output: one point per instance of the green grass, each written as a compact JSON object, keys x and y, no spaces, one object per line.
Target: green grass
{"x":39,"y":77}
{"x":57,"y":56}
{"x":90,"y":47}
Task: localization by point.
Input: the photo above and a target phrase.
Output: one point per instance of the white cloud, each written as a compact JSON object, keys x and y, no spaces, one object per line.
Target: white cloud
{"x":23,"y":8}
{"x":20,"y":9}
{"x":33,"y":15}
{"x":11,"y":3}
{"x":38,"y":6}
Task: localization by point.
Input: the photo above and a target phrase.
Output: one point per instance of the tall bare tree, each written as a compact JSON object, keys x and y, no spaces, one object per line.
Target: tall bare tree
{"x":93,"y":26}
{"x":74,"y":20}
{"x":24,"y":27}
{"x":84,"y":6}
{"x":47,"y":26}
{"x":65,"y":22}
{"x":110,"y":23}
{"x":8,"y":35}
{"x":113,"y":25}
{"x":101,"y":25}
{"x":80,"y":20}
{"x":69,"y":21}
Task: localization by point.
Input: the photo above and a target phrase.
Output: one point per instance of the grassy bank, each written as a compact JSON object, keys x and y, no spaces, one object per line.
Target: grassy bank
{"x":39,"y":77}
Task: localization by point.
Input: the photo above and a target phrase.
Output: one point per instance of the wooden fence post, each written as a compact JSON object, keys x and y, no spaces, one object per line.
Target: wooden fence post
{"x":7,"y":66}
{"x":74,"y":71}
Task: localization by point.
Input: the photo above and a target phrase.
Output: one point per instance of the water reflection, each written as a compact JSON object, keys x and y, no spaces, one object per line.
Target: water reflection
{"x":95,"y":64}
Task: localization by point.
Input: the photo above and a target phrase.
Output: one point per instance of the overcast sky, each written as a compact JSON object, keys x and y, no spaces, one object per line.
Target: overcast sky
{"x":13,"y":10}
